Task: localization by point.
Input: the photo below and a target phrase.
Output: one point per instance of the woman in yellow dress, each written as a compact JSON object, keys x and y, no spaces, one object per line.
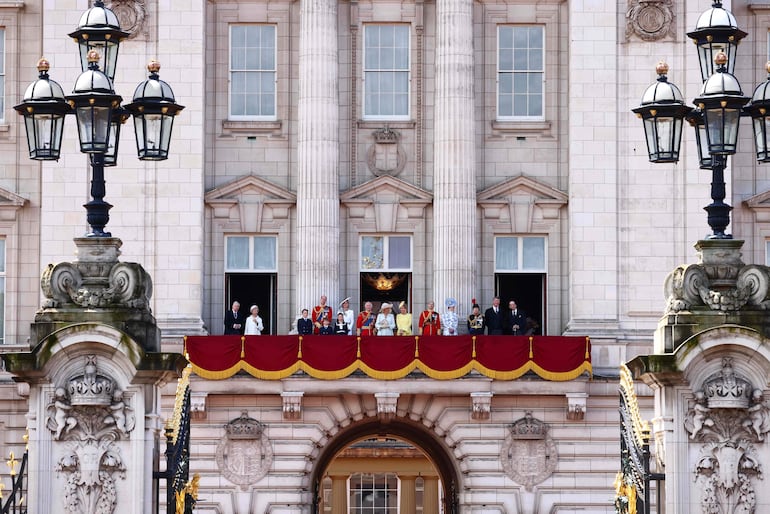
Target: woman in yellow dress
{"x":403,"y":321}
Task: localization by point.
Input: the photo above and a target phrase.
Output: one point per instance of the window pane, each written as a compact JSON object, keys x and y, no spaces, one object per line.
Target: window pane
{"x":2,"y":310}
{"x":252,"y":74}
{"x":520,"y":48}
{"x":237,"y":253}
{"x":386,"y":87}
{"x":372,"y":252}
{"x":264,"y":253}
{"x":2,"y":255}
{"x":399,"y":252}
{"x":506,"y":253}
{"x":533,"y":253}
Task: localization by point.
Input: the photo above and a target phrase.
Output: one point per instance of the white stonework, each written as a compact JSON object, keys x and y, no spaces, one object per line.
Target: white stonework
{"x":315,"y":177}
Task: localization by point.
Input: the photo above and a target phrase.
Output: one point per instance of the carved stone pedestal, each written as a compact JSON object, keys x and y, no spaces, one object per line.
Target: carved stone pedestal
{"x":710,"y":374}
{"x":94,"y":378}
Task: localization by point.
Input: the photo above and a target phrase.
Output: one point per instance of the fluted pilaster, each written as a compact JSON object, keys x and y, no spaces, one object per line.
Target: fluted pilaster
{"x":454,"y":200}
{"x":408,"y":495}
{"x":430,"y":495}
{"x":317,"y":154}
{"x":339,"y":494}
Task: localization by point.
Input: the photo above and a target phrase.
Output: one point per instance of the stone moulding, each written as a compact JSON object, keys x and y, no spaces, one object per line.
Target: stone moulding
{"x":650,"y":20}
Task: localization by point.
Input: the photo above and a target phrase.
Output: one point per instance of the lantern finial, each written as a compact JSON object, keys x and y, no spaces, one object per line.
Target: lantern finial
{"x":661,"y":68}
{"x":43,"y":65}
{"x":153,"y":66}
{"x":93,"y":56}
{"x":720,"y":59}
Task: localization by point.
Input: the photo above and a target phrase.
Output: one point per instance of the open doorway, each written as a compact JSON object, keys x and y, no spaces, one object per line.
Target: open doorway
{"x":253,"y":289}
{"x":528,"y":290}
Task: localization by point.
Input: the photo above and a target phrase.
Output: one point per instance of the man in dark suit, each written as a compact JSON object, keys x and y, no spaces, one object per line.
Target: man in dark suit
{"x":304,"y":324}
{"x":493,"y":318}
{"x":515,"y":321}
{"x":234,"y":321}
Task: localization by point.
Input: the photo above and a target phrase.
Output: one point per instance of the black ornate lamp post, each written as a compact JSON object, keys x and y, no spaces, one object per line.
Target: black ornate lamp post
{"x":97,"y":109}
{"x":717,"y":111}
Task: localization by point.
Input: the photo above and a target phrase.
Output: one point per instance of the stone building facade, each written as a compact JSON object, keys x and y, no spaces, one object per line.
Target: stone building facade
{"x":386,"y":151}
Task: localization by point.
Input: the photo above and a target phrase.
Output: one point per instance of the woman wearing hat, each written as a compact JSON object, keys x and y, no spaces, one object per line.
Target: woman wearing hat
{"x":403,"y":321}
{"x":254,"y":326}
{"x":451,"y":320}
{"x":385,"y":323}
{"x":348,"y":314}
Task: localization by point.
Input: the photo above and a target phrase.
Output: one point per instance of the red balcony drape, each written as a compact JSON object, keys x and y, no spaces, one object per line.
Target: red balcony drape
{"x":388,"y":358}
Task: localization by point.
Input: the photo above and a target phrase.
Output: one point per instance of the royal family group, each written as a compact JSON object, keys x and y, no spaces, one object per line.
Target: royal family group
{"x":321,"y":320}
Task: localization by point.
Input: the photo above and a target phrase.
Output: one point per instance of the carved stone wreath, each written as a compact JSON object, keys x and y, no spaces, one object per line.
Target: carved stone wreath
{"x":650,"y":20}
{"x":132,"y":15}
{"x":529,"y":453}
{"x":244,"y":455}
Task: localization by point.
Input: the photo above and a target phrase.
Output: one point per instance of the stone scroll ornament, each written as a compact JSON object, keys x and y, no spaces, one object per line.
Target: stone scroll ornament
{"x":650,"y":20}
{"x":529,"y":453}
{"x":728,"y":418}
{"x":244,"y":455}
{"x":89,"y":415}
{"x":721,"y":282}
{"x":109,"y":284}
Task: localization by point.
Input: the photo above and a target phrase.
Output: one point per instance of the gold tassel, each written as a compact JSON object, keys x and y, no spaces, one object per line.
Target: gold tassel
{"x":184,"y":351}
{"x":531,"y":355}
{"x":299,"y":353}
{"x":588,"y":344}
{"x":243,"y":347}
{"x":473,"y":353}
{"x":358,"y":347}
{"x":416,"y":347}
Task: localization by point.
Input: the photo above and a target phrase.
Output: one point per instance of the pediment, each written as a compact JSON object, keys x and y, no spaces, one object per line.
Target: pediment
{"x":760,"y":205}
{"x":386,"y":189}
{"x":9,"y":204}
{"x":522,"y":204}
{"x":250,"y":204}
{"x":521,"y":186}
{"x":386,"y":204}
{"x":249,"y":186}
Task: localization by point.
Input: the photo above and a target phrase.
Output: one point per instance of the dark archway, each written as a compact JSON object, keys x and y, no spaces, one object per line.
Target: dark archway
{"x":415,"y":433}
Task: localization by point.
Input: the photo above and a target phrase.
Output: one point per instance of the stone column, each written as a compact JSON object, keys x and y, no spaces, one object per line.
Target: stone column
{"x":339,"y":494}
{"x":454,"y":199}
{"x":408,"y":499}
{"x":317,"y":231}
{"x":430,"y":495}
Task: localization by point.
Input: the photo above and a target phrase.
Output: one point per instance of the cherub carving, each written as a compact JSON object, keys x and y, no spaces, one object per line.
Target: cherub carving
{"x":758,"y":419}
{"x":698,"y":417}
{"x":59,"y":420}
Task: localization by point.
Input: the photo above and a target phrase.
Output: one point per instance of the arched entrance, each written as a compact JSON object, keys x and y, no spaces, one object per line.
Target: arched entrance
{"x":414,"y":434}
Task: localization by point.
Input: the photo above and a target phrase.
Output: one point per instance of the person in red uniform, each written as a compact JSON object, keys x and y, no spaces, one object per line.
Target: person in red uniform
{"x":365,"y":321}
{"x":320,"y":313}
{"x":429,"y":323}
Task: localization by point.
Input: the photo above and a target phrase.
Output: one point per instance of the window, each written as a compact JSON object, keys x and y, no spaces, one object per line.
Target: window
{"x":520,"y":254}
{"x":374,"y":493}
{"x":2,"y":73}
{"x":2,"y":291}
{"x":247,"y":253}
{"x":520,"y":72}
{"x":252,"y":71}
{"x":386,"y":253}
{"x":386,"y":71}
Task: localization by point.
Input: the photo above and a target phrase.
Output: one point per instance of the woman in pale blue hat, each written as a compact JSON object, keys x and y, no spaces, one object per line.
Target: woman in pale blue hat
{"x":451,"y":320}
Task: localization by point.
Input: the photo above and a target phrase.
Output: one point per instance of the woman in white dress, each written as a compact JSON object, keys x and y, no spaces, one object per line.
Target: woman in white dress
{"x":385,"y":323}
{"x":350,"y":316}
{"x":254,"y":326}
{"x":450,"y":320}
